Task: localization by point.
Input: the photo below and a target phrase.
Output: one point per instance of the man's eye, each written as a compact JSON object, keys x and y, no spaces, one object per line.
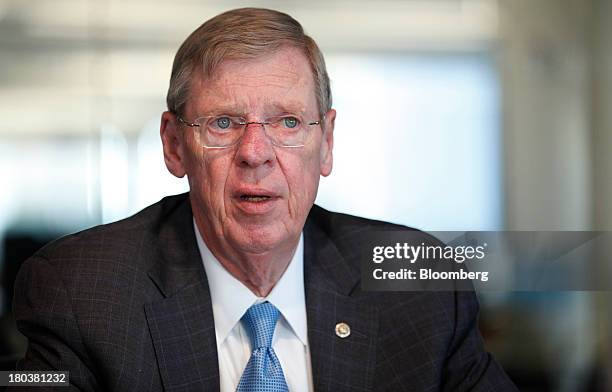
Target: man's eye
{"x":223,"y":122}
{"x":290,"y":122}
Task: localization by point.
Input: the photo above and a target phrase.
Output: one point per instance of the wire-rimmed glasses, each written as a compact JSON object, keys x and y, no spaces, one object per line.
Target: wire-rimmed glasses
{"x":223,"y":131}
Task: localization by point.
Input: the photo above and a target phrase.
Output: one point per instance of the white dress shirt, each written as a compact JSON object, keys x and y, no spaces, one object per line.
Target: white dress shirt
{"x":231,"y":299}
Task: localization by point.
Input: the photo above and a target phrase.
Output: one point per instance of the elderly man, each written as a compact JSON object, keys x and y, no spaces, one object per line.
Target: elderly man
{"x":242,"y":284}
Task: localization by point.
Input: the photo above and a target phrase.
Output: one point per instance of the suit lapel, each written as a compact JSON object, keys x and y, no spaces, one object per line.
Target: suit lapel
{"x":182,"y":326}
{"x":337,"y":363}
{"x":181,"y":323}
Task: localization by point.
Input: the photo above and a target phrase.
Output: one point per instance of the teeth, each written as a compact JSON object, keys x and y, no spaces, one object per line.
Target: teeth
{"x":254,"y":198}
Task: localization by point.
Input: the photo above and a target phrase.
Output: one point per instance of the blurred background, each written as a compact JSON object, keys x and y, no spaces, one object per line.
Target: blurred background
{"x":452,"y":115}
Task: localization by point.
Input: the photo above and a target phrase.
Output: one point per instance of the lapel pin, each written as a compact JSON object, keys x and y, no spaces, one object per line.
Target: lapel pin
{"x":343,"y":330}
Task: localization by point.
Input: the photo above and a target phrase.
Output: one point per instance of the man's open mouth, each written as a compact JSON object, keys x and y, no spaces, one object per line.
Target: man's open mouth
{"x":255,"y":198}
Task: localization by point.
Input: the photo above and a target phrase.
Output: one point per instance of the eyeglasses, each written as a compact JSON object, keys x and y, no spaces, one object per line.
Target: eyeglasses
{"x":226,"y":131}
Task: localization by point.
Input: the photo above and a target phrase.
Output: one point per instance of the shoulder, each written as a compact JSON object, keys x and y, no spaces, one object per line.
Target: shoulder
{"x":111,"y":260}
{"x":347,"y":231}
{"x":415,"y":326}
{"x":336,"y":220}
{"x":125,"y":240}
{"x":355,"y":238}
{"x":105,"y":267}
{"x":82,"y":296}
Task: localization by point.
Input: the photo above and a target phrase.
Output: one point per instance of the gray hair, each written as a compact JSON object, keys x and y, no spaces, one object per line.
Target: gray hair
{"x":240,"y":34}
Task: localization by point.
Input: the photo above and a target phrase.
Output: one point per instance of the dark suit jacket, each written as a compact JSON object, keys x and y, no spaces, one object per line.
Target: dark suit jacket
{"x":126,"y":307}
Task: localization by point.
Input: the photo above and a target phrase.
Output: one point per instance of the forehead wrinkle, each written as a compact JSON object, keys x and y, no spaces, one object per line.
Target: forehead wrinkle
{"x":222,"y":91}
{"x":277,"y":80}
{"x":283,"y":101}
{"x":283,"y":76}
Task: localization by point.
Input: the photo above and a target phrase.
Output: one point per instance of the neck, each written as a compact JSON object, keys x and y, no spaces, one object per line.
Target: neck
{"x":258,"y":271}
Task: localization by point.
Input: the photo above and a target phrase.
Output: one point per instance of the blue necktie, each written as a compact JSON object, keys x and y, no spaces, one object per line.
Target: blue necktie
{"x":263,"y":372}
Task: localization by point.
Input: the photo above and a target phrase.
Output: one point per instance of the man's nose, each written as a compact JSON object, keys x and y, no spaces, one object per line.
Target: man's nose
{"x":255,"y":148}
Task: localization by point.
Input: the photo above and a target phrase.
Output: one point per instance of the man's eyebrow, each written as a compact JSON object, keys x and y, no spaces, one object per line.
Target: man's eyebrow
{"x":221,"y":109}
{"x":287,"y":107}
{"x":293,"y":107}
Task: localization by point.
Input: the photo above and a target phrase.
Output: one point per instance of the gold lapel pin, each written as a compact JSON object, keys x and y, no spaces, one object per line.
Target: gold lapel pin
{"x":343,"y":330}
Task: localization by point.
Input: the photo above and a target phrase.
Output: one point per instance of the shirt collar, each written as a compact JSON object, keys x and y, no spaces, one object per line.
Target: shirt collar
{"x":231,"y":299}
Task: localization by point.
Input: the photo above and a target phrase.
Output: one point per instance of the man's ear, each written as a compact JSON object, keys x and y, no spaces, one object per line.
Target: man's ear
{"x":327,"y":144}
{"x":173,"y":144}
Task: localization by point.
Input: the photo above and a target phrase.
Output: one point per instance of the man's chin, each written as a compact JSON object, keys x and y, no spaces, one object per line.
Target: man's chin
{"x":261,"y":239}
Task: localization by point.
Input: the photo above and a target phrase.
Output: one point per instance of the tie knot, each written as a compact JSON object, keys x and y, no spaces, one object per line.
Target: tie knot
{"x":260,"y":320}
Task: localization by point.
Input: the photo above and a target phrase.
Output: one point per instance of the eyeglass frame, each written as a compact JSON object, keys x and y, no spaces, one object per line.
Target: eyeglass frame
{"x":245,"y":124}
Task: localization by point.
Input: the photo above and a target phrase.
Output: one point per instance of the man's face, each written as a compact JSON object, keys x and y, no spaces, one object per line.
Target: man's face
{"x":254,"y":197}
